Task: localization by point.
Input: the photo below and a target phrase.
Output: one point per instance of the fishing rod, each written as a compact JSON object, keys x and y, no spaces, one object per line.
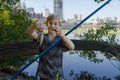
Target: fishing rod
{"x":54,"y":43}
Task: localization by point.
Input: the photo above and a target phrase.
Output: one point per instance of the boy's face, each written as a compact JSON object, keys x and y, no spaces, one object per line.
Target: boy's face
{"x":53,"y":25}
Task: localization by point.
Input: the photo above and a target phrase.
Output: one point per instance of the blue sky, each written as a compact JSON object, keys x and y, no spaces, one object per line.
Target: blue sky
{"x":71,"y":7}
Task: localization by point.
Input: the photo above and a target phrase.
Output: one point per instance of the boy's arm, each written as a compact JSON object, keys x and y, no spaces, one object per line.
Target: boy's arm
{"x":31,"y":31}
{"x":68,"y":43}
{"x":39,"y":26}
{"x":37,"y":36}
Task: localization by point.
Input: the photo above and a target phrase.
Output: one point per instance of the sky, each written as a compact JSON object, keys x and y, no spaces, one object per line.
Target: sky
{"x":83,"y":7}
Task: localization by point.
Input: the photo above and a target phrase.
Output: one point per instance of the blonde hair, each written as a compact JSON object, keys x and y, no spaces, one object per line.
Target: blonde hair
{"x":53,"y":16}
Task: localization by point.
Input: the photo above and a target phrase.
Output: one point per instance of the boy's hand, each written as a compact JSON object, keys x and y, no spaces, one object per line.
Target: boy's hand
{"x":58,"y":31}
{"x":40,"y":26}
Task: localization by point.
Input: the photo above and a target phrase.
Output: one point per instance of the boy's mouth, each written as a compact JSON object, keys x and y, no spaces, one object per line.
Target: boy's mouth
{"x":54,"y":30}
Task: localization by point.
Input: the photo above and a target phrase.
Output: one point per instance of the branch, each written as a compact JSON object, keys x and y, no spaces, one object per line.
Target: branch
{"x":20,"y":49}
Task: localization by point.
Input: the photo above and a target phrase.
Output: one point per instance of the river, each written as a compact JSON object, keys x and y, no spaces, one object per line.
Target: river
{"x":75,"y":66}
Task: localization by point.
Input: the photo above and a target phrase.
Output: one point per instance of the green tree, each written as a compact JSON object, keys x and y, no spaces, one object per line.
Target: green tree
{"x":13,"y":22}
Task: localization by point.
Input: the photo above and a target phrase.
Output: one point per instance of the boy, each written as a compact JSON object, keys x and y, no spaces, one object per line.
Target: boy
{"x":50,"y":64}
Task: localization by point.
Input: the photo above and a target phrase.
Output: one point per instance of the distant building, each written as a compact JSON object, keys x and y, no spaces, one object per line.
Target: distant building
{"x":75,"y":18}
{"x":58,"y":8}
{"x":71,"y":21}
{"x":104,"y":20}
{"x":47,"y":12}
{"x":32,"y":14}
{"x":80,"y":17}
{"x":30,"y":10}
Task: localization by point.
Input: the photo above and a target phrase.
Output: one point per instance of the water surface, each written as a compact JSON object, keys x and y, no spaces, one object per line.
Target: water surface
{"x":75,"y":66}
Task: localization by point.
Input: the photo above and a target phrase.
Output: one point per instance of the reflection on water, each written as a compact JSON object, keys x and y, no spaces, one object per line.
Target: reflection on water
{"x":76,"y":64}
{"x":76,"y":67}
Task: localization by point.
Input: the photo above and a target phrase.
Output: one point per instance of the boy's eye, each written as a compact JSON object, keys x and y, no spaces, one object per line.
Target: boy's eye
{"x":52,"y":23}
{"x":55,"y":23}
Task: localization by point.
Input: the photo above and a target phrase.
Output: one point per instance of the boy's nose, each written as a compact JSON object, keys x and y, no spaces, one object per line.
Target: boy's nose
{"x":53,"y":26}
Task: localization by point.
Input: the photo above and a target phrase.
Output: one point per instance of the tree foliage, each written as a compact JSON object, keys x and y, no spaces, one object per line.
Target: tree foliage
{"x":105,"y":33}
{"x":86,"y":75}
{"x":13,"y":22}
